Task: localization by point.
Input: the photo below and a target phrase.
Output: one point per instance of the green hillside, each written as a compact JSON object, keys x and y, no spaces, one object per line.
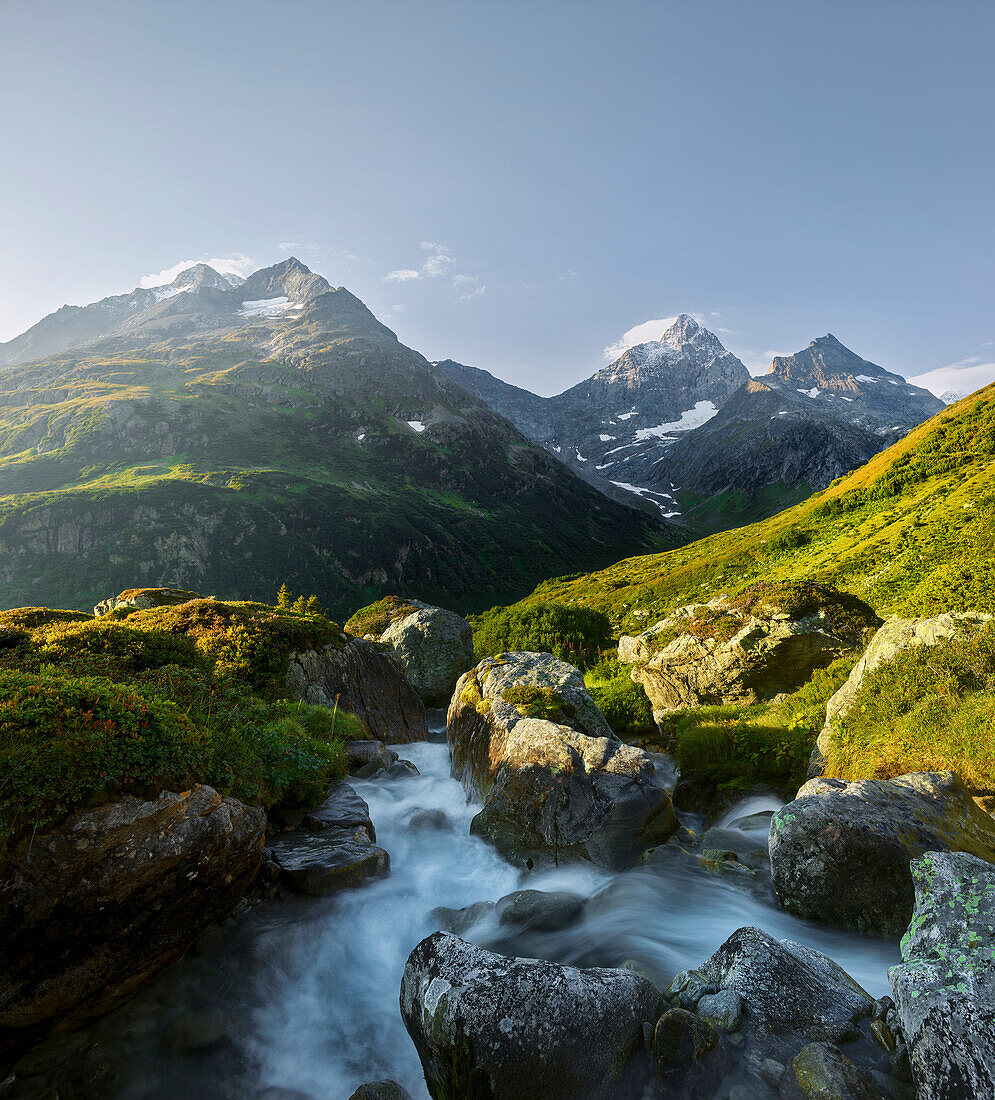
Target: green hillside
{"x":911,"y":532}
{"x":204,"y":448}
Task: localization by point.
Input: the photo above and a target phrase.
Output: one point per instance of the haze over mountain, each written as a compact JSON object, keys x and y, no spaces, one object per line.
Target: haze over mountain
{"x":224,"y":435}
{"x":681,"y":423}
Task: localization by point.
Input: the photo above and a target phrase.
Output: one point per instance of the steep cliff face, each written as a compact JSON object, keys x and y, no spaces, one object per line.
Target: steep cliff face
{"x":231,"y":438}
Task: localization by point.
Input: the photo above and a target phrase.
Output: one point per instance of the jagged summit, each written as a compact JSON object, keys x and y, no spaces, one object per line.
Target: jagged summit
{"x":824,"y":360}
{"x":687,"y":330}
{"x":193,"y":278}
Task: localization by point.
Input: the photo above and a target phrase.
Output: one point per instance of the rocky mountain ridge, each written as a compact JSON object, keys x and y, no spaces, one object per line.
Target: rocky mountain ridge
{"x":236,"y":436}
{"x":680,"y":423}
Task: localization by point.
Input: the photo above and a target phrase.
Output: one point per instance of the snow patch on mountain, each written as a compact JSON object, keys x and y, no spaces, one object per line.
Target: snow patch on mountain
{"x":268,"y":307}
{"x":702,"y":412}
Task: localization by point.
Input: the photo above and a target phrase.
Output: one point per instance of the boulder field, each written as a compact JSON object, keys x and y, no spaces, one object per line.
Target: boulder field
{"x":557,"y":785}
{"x":761,"y":1019}
{"x":840,"y":852}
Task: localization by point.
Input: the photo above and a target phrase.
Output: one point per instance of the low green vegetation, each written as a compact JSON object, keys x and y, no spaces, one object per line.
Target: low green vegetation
{"x":912,"y":532}
{"x":376,"y":618}
{"x":574,"y":634}
{"x":139,"y":701}
{"x":622,"y":701}
{"x":928,"y":710}
{"x":741,"y":746}
{"x":532,"y":701}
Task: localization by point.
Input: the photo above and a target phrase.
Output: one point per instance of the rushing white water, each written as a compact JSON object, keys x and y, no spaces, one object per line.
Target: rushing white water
{"x":331,"y":1018}
{"x":308,"y":988}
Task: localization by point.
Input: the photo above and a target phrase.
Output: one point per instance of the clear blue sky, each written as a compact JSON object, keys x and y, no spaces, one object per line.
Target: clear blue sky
{"x":782,"y":168}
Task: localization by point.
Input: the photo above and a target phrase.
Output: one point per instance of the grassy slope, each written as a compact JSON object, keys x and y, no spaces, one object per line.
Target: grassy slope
{"x":911,"y":532}
{"x":189,"y":469}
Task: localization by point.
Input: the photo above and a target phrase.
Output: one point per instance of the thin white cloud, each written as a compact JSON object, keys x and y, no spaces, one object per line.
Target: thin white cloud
{"x":477,"y":292}
{"x":965,"y":377}
{"x":232,"y":264}
{"x":643,"y":333}
{"x":757,"y":362}
{"x":439,"y":262}
{"x":286,"y":246}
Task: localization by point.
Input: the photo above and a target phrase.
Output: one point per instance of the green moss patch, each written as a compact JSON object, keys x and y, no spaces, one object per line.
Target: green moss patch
{"x":376,"y":618}
{"x":532,"y":701}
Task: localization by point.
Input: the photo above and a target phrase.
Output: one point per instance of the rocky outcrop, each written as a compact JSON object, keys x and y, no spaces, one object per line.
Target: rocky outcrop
{"x":893,"y":638}
{"x":141,"y":599}
{"x":557,"y":785}
{"x":840,"y":852}
{"x":366,"y":679}
{"x":327,"y":862}
{"x":434,"y":646}
{"x":96,"y":906}
{"x":945,"y":985}
{"x":488,"y":1026}
{"x":777,"y":1009}
{"x":714,"y":653}
{"x":787,"y":987}
{"x":334,"y":849}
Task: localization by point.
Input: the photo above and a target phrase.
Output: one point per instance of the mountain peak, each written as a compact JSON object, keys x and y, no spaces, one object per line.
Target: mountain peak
{"x":193,"y":278}
{"x":683,"y":331}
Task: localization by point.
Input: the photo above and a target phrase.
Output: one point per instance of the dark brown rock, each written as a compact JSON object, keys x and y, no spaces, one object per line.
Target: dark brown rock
{"x":96,"y":906}
{"x":366,"y":679}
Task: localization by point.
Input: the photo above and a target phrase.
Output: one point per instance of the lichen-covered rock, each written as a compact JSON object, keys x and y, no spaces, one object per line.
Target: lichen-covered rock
{"x":787,"y":987}
{"x":895,"y":636}
{"x":94,"y":907}
{"x":722,"y":1010}
{"x":367,"y":680}
{"x":488,"y":1027}
{"x":556,"y":783}
{"x":821,"y":1071}
{"x":945,"y":985}
{"x":840,"y":852}
{"x":714,"y":653}
{"x":435,"y":647}
{"x":140,"y":599}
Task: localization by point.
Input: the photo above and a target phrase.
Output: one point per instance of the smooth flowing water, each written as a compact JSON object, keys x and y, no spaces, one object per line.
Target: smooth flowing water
{"x":302,"y":994}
